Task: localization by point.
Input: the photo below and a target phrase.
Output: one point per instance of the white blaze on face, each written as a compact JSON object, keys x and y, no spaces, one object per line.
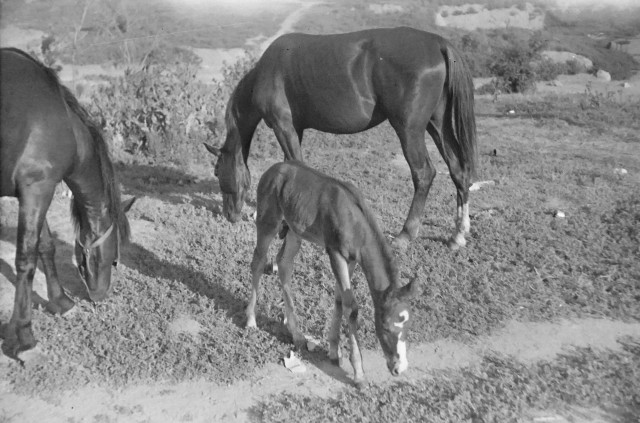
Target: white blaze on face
{"x":403,"y":363}
{"x":405,"y":316}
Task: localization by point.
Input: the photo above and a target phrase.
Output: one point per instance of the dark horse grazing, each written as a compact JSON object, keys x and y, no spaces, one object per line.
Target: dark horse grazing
{"x":46,"y":137}
{"x":332,"y":214}
{"x":348,"y":83}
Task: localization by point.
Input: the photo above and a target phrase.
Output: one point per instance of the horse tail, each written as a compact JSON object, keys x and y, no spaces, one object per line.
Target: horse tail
{"x":460,"y":110}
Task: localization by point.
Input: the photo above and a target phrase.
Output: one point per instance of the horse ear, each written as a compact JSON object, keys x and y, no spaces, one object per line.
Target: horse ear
{"x":212,"y":149}
{"x":411,"y":289}
{"x":126,"y":205}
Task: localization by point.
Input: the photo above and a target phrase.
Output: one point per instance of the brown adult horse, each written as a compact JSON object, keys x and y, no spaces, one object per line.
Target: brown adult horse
{"x":334,"y":215}
{"x":46,"y":137}
{"x":348,"y":83}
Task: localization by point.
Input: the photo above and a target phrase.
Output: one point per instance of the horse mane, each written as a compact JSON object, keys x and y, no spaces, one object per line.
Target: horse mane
{"x":100,"y":149}
{"x":389,"y":262}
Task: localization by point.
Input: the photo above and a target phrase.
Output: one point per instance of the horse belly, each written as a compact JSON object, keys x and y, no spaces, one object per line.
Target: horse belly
{"x":333,"y":91}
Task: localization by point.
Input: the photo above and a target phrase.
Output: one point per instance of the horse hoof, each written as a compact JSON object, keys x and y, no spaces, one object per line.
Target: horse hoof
{"x":401,"y":242}
{"x":360,"y":384}
{"x":17,"y":343}
{"x":456,"y":243}
{"x":300,"y":343}
{"x":61,"y":306}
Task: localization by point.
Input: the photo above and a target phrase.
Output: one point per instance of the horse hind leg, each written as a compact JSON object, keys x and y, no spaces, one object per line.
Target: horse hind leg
{"x":461,"y":179}
{"x":422,"y":175}
{"x":34,"y":202}
{"x":285,"y":261}
{"x":59,"y":302}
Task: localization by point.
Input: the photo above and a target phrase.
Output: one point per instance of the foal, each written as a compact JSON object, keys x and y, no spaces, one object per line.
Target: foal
{"x":333,"y":214}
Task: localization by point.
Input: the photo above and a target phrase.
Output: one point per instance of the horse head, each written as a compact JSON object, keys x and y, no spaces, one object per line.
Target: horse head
{"x":234,"y":179}
{"x":393,"y":318}
{"x":97,"y":249}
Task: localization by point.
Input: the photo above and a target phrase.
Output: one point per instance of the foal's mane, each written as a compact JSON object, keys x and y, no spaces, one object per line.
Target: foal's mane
{"x":381,"y":242}
{"x":101,"y":151}
{"x":387,"y":255}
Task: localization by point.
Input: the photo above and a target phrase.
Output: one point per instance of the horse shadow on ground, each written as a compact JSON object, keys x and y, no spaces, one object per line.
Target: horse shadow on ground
{"x":147,"y":263}
{"x":170,"y":184}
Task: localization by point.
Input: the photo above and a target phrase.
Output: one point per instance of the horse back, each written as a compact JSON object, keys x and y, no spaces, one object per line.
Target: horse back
{"x":36,"y":132}
{"x":338,"y":83}
{"x":317,"y":207}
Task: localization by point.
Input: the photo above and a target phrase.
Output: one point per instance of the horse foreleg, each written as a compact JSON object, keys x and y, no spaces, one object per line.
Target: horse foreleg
{"x":285,"y":260}
{"x":34,"y":202}
{"x":336,"y":321}
{"x":288,"y":138}
{"x":334,"y":330}
{"x":59,"y":302}
{"x":341,"y":271}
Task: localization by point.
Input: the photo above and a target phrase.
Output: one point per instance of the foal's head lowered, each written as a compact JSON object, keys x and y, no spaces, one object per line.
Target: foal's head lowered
{"x":392,"y":320}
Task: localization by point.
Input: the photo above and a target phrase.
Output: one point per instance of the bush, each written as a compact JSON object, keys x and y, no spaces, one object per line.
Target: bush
{"x":513,"y":66}
{"x":574,"y":67}
{"x":548,"y":70}
{"x":165,"y":112}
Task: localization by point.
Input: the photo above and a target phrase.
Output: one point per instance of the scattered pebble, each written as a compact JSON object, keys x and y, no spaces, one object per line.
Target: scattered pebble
{"x":477,"y":185}
{"x":511,"y":112}
{"x":620,"y":171}
{"x":559,"y":214}
{"x":294,"y":364}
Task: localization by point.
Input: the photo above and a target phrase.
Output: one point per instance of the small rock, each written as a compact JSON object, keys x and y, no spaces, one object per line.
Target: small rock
{"x":294,"y":364}
{"x":620,"y":171}
{"x":603,"y":75}
{"x":559,"y":214}
{"x":511,"y":112}
{"x":477,"y":185}
{"x":626,"y":85}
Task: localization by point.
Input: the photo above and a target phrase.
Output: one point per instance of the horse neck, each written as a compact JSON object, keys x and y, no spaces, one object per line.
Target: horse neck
{"x":377,"y":264}
{"x":89,"y":192}
{"x":242,"y":118}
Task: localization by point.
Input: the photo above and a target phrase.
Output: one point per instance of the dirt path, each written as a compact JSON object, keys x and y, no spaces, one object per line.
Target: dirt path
{"x":202,"y":401}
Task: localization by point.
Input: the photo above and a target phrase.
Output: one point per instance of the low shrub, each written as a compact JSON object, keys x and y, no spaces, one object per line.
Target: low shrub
{"x":548,"y":70}
{"x":513,"y":65}
{"x":165,"y":112}
{"x":575,"y":67}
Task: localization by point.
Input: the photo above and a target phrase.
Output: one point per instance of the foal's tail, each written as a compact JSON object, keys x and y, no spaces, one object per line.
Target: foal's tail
{"x":460,"y":110}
